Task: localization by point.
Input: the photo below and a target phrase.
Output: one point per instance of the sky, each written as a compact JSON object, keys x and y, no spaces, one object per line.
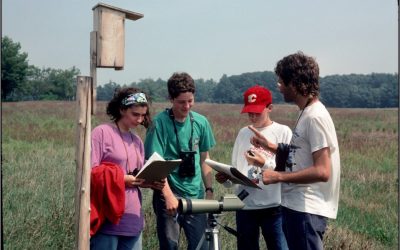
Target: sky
{"x":209,"y":38}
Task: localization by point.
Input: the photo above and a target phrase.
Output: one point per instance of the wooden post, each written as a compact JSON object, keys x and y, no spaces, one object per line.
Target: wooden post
{"x":83,"y":168}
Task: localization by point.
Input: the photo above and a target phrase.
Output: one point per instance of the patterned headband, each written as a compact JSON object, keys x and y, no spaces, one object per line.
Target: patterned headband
{"x":134,"y":98}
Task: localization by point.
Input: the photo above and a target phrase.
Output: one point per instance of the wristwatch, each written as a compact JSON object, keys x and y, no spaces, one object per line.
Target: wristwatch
{"x":209,"y":189}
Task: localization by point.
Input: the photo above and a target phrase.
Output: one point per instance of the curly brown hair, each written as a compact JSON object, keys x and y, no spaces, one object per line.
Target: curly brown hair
{"x":301,"y":71}
{"x":115,"y":105}
{"x":180,"y":83}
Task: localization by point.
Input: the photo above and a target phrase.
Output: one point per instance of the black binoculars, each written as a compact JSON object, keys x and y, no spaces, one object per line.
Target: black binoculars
{"x":187,"y":169}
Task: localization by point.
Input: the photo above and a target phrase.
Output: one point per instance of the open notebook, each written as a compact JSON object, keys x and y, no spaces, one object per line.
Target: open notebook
{"x":156,"y":168}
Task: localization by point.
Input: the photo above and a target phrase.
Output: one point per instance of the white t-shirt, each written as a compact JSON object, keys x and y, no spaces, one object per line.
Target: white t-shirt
{"x":269,"y":195}
{"x":315,"y":130}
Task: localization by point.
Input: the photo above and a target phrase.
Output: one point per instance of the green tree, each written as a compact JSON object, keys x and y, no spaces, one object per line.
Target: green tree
{"x":360,"y":91}
{"x":204,"y":90}
{"x":64,"y":82}
{"x":14,"y":66}
{"x":157,"y":90}
{"x":230,"y":89}
{"x":106,"y":92}
{"x":48,"y":84}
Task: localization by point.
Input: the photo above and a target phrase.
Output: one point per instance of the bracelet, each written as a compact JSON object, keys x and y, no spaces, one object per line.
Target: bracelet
{"x":209,"y":189}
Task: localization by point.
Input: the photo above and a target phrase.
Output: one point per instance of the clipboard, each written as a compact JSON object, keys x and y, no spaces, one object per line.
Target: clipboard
{"x":235,"y":175}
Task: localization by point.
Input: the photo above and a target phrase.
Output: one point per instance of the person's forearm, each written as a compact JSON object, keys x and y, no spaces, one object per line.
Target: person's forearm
{"x":259,"y":140}
{"x":271,"y":147}
{"x":308,"y":175}
{"x":207,"y":175}
{"x":205,"y":170}
{"x":166,"y":191}
{"x":320,"y":171}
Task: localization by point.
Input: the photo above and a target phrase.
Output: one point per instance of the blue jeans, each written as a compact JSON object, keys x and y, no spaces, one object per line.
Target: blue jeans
{"x":101,"y":241}
{"x":303,"y":230}
{"x":168,"y":227}
{"x":249,"y":222}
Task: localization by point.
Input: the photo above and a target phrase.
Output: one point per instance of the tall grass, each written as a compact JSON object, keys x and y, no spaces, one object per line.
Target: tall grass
{"x":38,"y":170}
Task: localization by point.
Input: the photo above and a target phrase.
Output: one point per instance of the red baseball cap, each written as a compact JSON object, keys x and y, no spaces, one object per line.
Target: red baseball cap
{"x":256,"y":99}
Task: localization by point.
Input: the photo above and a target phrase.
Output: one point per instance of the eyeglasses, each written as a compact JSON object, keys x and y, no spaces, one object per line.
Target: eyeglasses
{"x":134,"y":98}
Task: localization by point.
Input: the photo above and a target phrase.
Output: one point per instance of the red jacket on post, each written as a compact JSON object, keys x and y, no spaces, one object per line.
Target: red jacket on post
{"x":107,"y":195}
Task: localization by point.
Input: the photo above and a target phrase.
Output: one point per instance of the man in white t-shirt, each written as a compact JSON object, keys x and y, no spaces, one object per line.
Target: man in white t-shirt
{"x":310,"y":184}
{"x":262,"y":206}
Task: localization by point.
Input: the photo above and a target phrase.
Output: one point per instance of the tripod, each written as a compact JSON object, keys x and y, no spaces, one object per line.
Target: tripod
{"x":211,"y":233}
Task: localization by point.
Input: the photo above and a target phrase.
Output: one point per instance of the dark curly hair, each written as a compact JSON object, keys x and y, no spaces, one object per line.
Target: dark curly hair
{"x":115,"y":105}
{"x":301,"y":71}
{"x":180,"y":83}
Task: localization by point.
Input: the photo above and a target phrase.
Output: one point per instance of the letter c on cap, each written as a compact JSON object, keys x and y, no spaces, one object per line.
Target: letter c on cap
{"x":251,"y":98}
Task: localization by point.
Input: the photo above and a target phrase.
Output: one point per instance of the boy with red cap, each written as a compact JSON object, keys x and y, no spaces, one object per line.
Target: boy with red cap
{"x":262,"y":206}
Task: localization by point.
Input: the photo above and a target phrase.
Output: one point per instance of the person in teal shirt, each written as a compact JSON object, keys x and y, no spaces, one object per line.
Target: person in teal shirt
{"x":179,"y":133}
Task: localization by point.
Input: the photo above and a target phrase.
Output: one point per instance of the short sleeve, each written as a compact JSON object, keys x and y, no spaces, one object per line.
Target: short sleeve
{"x":207,"y":140}
{"x":96,"y":147}
{"x":287,"y":135}
{"x":319,"y":136}
{"x":235,"y":151}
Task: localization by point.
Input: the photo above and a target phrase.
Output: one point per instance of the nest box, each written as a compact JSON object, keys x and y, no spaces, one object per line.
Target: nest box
{"x":109,"y":25}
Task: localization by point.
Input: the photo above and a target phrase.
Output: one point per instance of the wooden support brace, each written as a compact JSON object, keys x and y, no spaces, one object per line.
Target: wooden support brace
{"x":93,"y":68}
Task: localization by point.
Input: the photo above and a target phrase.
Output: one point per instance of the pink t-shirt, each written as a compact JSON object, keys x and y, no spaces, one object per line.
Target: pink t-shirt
{"x":107,"y":145}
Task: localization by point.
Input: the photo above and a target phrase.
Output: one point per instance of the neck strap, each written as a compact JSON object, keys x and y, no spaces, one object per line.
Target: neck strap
{"x":307,"y":103}
{"x":172,"y":117}
{"x":136,"y":170}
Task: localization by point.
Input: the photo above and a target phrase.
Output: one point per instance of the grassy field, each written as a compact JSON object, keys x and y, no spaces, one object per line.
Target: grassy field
{"x":38,"y":171}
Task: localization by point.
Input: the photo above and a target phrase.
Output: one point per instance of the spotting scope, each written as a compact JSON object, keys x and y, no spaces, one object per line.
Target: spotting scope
{"x":229,"y":202}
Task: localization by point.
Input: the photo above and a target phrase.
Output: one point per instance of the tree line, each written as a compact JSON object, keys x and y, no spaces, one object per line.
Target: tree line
{"x":376,"y":90}
{"x":22,"y":82}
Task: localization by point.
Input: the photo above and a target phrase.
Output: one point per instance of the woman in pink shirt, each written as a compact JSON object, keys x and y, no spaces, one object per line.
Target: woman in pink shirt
{"x":114,"y":142}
